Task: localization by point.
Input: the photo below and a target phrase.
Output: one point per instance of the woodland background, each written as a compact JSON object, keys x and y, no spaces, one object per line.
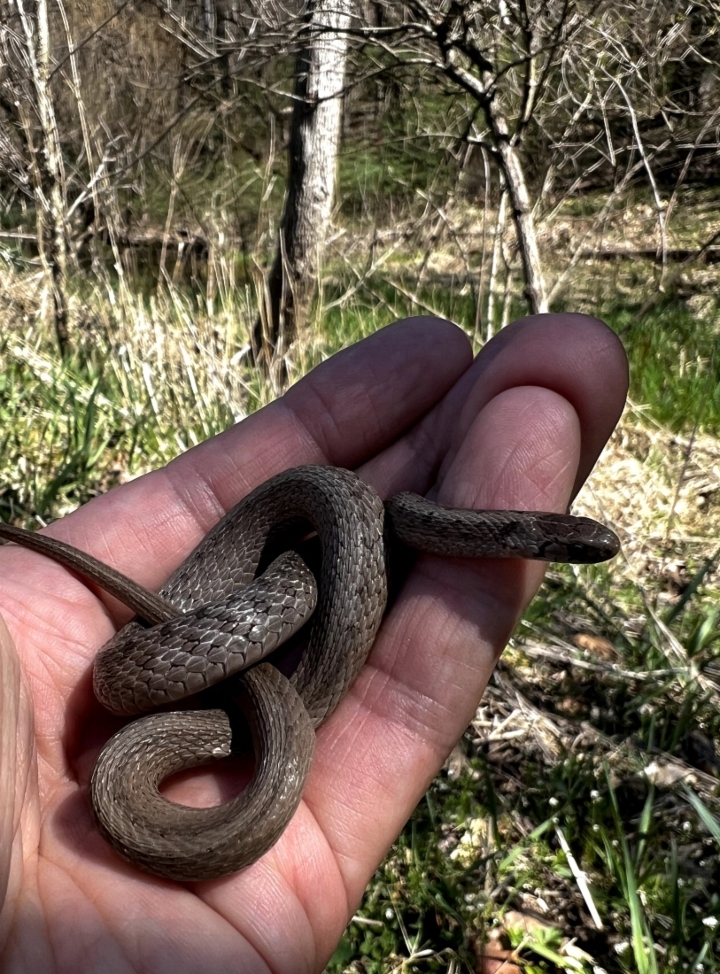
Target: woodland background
{"x":199,"y":200}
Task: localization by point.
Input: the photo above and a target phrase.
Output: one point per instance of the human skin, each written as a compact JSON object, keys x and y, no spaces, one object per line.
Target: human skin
{"x":408,"y":409}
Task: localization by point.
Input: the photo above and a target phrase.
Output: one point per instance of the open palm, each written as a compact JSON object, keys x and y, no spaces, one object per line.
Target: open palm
{"x":408,"y":410}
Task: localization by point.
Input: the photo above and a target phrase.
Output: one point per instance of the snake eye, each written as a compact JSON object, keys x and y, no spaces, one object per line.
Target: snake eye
{"x":553,"y":551}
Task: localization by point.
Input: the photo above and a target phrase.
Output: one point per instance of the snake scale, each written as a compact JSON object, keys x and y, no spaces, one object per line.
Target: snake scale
{"x":239,"y":595}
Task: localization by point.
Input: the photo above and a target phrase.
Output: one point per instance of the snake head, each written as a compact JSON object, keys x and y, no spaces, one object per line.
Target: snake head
{"x":574,"y":540}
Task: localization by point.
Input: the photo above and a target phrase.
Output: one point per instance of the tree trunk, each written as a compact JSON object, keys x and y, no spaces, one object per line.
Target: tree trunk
{"x":510,"y":161}
{"x":47,"y":169}
{"x":314,"y":143}
{"x":521,"y":207}
{"x":493,"y":289}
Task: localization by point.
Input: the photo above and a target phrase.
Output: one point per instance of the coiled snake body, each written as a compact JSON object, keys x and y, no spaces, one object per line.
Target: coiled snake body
{"x":214,"y":618}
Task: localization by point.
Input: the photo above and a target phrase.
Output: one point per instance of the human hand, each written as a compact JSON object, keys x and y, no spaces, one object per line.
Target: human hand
{"x":519,"y":428}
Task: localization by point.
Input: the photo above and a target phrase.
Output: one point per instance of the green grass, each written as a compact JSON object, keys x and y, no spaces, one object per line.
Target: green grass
{"x":123,"y":404}
{"x":674,"y":360}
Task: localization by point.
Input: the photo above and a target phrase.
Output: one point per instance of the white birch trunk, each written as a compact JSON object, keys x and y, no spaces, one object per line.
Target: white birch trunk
{"x":314,"y":144}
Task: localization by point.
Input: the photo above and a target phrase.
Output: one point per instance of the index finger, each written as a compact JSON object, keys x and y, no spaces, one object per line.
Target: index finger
{"x":350,"y":407}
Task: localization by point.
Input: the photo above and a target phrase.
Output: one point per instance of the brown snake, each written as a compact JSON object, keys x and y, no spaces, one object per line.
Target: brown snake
{"x":214,"y":617}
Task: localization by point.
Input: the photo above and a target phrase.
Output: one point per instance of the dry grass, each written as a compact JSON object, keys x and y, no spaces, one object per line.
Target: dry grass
{"x":660,"y":489}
